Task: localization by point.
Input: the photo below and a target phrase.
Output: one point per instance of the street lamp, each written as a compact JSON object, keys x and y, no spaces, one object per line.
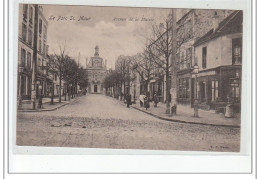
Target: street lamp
{"x":196,"y":71}
{"x":20,"y":87}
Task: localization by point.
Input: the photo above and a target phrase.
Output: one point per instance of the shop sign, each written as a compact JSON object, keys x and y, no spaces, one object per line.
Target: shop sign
{"x":207,"y":73}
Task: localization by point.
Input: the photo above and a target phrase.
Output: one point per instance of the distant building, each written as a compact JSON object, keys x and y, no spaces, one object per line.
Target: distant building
{"x":96,"y":70}
{"x":219,"y":57}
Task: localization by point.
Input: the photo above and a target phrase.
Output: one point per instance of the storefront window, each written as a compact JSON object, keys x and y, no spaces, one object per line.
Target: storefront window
{"x":235,"y":89}
{"x":214,"y":90}
{"x":184,"y":88}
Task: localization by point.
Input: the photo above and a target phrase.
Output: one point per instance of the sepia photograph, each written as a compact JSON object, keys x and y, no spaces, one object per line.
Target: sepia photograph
{"x":138,"y":78}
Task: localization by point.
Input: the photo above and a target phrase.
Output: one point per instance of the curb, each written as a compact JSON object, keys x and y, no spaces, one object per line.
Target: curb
{"x":186,"y":122}
{"x":52,"y":109}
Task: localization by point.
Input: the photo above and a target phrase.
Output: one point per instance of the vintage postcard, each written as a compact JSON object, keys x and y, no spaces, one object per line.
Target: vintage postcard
{"x":129,"y":78}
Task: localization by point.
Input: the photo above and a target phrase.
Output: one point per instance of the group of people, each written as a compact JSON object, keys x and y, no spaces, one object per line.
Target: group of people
{"x":144,"y":100}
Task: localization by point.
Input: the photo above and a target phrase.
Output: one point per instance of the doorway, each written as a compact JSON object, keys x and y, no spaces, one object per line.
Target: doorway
{"x":203,"y":91}
{"x":95,"y":88}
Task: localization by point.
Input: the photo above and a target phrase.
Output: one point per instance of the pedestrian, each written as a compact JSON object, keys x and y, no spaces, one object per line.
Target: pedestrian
{"x":141,"y":98}
{"x":40,"y":101}
{"x":156,"y":100}
{"x":128,"y":100}
{"x":122,"y":95}
{"x":146,"y":102}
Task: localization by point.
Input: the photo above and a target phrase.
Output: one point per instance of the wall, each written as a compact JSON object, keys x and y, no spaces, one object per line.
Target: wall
{"x":215,"y":53}
{"x":227,"y":49}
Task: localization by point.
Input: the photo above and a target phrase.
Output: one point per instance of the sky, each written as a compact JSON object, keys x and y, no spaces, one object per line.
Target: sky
{"x":116,"y":30}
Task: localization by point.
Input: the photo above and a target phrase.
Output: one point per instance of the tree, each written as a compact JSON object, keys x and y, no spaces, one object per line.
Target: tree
{"x":71,"y":74}
{"x":57,"y":65}
{"x":122,"y":66}
{"x":57,"y":68}
{"x":112,"y":80}
{"x":83,"y":78}
{"x":160,"y":49}
{"x":142,"y":64}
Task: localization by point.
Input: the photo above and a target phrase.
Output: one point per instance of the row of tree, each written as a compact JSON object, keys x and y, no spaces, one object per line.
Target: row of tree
{"x":67,"y":70}
{"x":155,"y":60}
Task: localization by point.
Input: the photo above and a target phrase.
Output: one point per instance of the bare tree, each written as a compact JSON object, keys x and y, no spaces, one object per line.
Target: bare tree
{"x":160,"y":50}
{"x":122,"y":66}
{"x":142,"y":64}
{"x":57,"y":66}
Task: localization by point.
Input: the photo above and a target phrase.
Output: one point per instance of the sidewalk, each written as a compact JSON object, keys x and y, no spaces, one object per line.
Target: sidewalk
{"x":185,"y":115}
{"x":27,"y":106}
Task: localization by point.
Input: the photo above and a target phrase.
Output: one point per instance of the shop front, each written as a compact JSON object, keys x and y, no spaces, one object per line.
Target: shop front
{"x":218,"y":86}
{"x":184,"y":87}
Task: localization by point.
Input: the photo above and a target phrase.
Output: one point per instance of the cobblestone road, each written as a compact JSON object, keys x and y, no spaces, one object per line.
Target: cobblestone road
{"x":97,"y":121}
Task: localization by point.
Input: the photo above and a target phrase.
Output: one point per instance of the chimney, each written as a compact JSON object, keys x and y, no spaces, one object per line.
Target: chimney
{"x":215,"y":20}
{"x":40,"y":8}
{"x":86,"y":62}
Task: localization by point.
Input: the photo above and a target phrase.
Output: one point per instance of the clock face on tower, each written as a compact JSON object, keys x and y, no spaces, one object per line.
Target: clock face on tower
{"x":96,"y":63}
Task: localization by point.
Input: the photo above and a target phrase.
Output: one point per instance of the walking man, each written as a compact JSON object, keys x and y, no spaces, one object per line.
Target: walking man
{"x":128,"y":100}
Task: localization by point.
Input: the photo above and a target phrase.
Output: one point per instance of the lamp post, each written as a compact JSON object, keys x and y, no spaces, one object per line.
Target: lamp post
{"x":196,"y":71}
{"x":20,"y":87}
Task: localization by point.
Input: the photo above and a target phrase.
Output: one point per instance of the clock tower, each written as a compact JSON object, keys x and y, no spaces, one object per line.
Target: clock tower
{"x":96,"y":70}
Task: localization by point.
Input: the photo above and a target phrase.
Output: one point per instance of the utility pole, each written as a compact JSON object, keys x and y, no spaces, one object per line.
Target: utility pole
{"x":174,"y":65}
{"x":34,"y":61}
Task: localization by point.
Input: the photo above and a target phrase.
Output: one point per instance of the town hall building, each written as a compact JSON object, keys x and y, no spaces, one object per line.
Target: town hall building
{"x":96,"y":70}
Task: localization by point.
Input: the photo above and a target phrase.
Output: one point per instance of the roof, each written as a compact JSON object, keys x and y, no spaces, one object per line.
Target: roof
{"x":185,"y":15}
{"x":230,"y":25}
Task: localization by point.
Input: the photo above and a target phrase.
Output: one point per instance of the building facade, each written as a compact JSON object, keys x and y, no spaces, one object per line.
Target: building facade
{"x":219,"y":57}
{"x":190,"y":27}
{"x":26,"y":35}
{"x":96,"y":70}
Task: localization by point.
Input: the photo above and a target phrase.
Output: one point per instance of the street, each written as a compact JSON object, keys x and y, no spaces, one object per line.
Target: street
{"x":98,"y":121}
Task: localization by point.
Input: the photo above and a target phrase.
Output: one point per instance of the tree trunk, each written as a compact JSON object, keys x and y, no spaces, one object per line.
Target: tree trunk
{"x":146,"y":88}
{"x":52,"y":94}
{"x":72,"y":92}
{"x":167,"y":91}
{"x":65,"y":89}
{"x":69,"y":93}
{"x":174,"y":64}
{"x":60,"y":90}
